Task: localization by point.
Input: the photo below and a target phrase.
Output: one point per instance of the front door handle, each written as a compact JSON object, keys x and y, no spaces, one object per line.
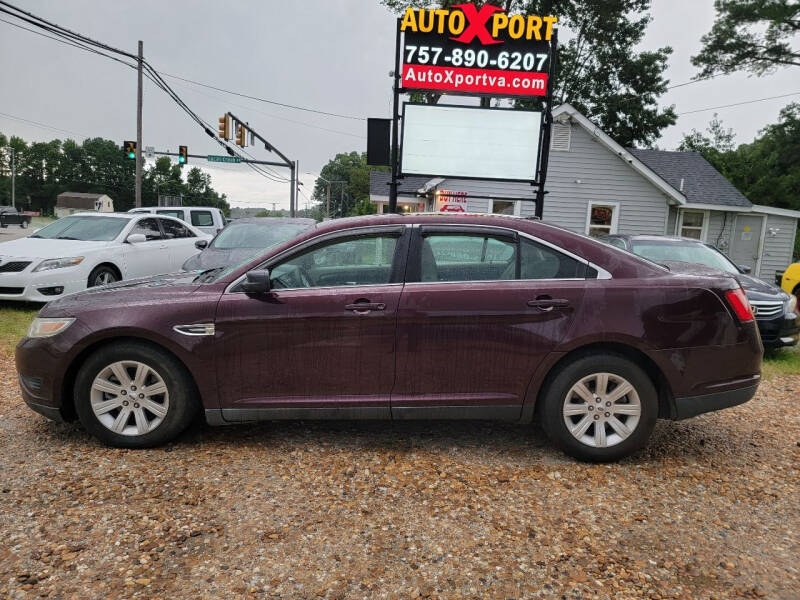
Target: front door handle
{"x":546,"y":303}
{"x":365,"y":307}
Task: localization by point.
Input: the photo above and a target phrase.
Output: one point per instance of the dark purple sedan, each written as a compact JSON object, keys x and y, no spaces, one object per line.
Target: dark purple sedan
{"x":402,"y":317}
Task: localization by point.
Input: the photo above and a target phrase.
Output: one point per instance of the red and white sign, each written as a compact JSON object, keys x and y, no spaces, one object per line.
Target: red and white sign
{"x":450,"y":201}
{"x":474,"y":81}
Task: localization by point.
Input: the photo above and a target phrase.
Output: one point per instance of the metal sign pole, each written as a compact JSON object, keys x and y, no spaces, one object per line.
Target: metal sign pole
{"x":545,"y":151}
{"x":395,"y":119}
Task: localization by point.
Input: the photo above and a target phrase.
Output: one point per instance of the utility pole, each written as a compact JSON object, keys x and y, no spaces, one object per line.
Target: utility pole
{"x":138,"y":200}
{"x":13,"y":177}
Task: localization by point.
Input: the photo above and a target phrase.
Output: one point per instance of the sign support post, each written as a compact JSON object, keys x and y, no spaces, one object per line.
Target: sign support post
{"x":395,"y":117}
{"x":548,"y":126}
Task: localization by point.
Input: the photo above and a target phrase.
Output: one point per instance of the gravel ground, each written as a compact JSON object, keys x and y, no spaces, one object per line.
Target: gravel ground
{"x":380,"y":510}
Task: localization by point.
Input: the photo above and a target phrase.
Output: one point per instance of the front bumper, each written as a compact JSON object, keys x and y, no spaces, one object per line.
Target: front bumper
{"x":780,"y":332}
{"x":25,"y":286}
{"x":691,"y":406}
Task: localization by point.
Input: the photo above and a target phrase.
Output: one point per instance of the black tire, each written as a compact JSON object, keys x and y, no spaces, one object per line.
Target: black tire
{"x":183,"y":398}
{"x":99,"y":275}
{"x":23,"y":224}
{"x":567,"y":376}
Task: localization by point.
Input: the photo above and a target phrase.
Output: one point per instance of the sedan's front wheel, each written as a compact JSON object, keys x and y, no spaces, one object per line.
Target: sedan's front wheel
{"x":600,"y":407}
{"x":133,"y":395}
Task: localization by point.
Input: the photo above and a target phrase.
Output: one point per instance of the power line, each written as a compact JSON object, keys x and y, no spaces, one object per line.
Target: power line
{"x":678,"y":85}
{"x":689,"y":112}
{"x":266,"y":101}
{"x":43,"y":125}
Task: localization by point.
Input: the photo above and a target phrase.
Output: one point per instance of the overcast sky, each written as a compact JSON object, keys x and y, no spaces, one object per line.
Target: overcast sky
{"x":331,"y":55}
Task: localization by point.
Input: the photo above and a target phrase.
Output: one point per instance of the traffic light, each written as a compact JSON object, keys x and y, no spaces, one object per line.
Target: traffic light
{"x":241,"y":135}
{"x":129,"y":148}
{"x":183,"y":155}
{"x":224,"y":128}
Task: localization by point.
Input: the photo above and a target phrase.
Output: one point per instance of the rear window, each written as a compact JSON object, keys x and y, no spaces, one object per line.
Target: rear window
{"x":178,"y":214}
{"x":202,"y":218}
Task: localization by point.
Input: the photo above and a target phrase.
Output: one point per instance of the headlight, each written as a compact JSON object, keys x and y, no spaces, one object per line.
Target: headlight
{"x":791,"y":303}
{"x":58,"y":263}
{"x":42,"y":327}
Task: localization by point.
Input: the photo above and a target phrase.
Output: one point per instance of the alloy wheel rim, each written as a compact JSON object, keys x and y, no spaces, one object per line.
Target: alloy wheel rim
{"x":104,"y":278}
{"x":602,"y":410}
{"x":129,"y":398}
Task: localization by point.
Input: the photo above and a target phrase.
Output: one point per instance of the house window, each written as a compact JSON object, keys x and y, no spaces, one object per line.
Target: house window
{"x":692,"y":224}
{"x":602,"y":219}
{"x":504,"y":207}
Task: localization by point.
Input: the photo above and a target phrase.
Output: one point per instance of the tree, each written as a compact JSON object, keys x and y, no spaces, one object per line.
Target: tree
{"x":715,"y":147}
{"x":750,"y":35}
{"x":348,"y":197}
{"x":600,"y":72}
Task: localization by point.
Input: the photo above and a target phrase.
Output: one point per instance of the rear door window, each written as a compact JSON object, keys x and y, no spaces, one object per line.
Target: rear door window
{"x":478,"y":257}
{"x":202,"y":218}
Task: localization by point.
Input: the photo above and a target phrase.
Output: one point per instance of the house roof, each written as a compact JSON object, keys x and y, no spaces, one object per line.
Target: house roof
{"x":379,"y":184}
{"x":77,"y":200}
{"x":694,"y":176}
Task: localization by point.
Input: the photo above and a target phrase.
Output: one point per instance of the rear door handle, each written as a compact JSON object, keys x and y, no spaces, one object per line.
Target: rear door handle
{"x":548,"y":304}
{"x":365,"y":307}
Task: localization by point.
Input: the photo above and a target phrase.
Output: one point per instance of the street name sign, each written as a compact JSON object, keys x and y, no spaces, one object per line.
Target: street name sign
{"x":223,"y":159}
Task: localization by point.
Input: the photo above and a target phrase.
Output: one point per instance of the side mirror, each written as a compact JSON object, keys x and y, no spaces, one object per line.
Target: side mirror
{"x":256,"y":282}
{"x":745,"y":269}
{"x":136,"y":238}
{"x":201,"y":244}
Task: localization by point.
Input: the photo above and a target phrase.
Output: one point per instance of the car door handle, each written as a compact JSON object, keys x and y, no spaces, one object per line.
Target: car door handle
{"x":365,"y":307}
{"x":545,"y":303}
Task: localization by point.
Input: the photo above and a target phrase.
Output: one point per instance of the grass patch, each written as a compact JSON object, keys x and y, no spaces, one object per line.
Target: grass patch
{"x":14,"y":321}
{"x":782,"y":362}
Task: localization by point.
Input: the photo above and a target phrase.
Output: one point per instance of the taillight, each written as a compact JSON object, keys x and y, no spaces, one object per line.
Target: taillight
{"x":739,"y":304}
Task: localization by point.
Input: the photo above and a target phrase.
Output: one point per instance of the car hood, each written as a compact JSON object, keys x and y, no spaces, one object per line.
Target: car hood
{"x":211,"y":258}
{"x":756,"y":289}
{"x":151,"y":290}
{"x":45,"y":248}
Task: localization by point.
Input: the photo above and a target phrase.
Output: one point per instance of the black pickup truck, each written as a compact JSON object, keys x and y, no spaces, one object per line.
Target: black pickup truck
{"x":10,"y":216}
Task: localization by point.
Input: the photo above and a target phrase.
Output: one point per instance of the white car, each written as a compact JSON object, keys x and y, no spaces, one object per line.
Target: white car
{"x":207,"y":219}
{"x":90,"y":249}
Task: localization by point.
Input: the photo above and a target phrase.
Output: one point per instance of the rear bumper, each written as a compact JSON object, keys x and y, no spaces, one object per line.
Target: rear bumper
{"x":691,"y":406}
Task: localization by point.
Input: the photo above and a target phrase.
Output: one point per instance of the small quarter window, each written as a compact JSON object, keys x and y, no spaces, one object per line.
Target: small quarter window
{"x":538,"y":261}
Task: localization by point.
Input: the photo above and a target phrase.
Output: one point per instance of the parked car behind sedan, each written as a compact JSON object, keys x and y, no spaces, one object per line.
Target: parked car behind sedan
{"x":379,"y":318}
{"x":789,"y":280}
{"x":90,"y":249}
{"x":243,"y":238}
{"x":776,"y":312}
{"x":11,"y":216}
{"x":207,"y":219}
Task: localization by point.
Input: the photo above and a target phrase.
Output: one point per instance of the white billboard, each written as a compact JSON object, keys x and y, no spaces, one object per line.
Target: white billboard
{"x":459,"y":141}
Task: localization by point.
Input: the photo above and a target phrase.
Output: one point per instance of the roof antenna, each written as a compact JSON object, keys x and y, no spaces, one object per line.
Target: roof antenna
{"x":682,"y":181}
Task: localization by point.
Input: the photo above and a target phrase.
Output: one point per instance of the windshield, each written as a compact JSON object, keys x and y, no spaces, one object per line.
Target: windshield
{"x":88,"y":229}
{"x":256,"y":235}
{"x":692,"y":253}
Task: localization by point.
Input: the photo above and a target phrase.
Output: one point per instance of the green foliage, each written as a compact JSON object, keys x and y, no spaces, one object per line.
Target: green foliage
{"x":600,"y":71}
{"x":45,"y":169}
{"x":352,"y":196}
{"x":715,"y":145}
{"x":750,"y":35}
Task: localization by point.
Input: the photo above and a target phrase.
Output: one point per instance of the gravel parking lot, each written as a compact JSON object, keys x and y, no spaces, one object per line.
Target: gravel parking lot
{"x":377,"y":510}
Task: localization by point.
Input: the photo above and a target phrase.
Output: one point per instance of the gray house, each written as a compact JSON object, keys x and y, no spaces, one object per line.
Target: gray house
{"x":596,"y":187}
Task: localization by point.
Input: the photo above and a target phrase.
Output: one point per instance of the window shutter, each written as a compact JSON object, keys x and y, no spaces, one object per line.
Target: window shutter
{"x":562,"y":136}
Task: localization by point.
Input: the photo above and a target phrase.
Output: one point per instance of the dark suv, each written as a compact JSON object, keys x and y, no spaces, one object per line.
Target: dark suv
{"x":396,"y":318}
{"x":776,"y":311}
{"x":10,"y":216}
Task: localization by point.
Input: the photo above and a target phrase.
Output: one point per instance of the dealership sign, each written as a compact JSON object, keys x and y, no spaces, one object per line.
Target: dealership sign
{"x":471,"y":50}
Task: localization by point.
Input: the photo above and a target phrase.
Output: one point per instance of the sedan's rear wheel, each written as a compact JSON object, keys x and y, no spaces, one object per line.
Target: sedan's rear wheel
{"x":134,"y":395}
{"x":600,"y":407}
